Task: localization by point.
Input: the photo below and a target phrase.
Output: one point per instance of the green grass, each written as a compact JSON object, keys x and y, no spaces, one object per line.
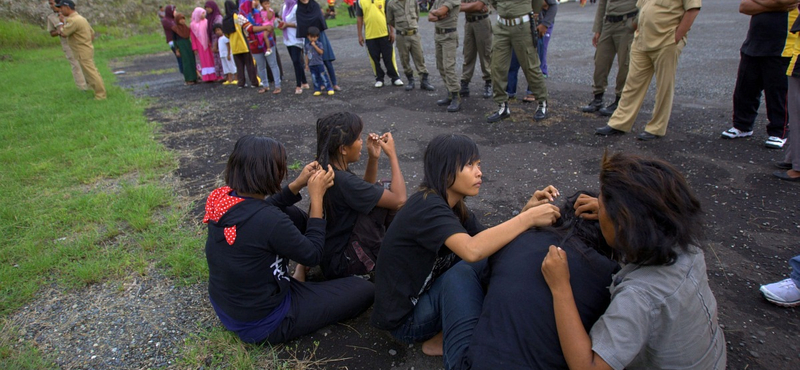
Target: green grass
{"x":85,"y":186}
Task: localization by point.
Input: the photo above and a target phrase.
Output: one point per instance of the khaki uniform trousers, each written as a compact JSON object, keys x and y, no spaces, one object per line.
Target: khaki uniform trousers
{"x":477,"y":45}
{"x":446,"y":45}
{"x":93,"y":78}
{"x":644,"y":64}
{"x":77,"y":74}
{"x":615,"y":40}
{"x":519,"y":39}
{"x":411,"y":47}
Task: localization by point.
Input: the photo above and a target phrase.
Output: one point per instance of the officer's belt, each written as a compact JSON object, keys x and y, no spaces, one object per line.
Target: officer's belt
{"x":513,"y":21}
{"x":410,"y":32}
{"x":476,"y":18}
{"x":441,"y":31}
{"x":620,"y":18}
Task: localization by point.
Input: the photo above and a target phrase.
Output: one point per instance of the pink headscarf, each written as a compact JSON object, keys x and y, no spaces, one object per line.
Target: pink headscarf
{"x":200,"y":27}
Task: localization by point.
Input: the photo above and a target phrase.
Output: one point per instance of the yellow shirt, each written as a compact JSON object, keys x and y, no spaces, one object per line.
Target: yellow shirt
{"x":79,"y":35}
{"x":374,"y":13}
{"x":658,"y":20}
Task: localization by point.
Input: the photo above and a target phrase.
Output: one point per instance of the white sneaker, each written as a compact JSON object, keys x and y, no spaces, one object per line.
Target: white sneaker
{"x":397,"y":82}
{"x":774,"y":142}
{"x":783,"y":293}
{"x":735,"y":133}
{"x":378,"y":84}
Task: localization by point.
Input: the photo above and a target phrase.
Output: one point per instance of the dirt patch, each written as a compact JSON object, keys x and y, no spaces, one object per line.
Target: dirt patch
{"x":752,"y":218}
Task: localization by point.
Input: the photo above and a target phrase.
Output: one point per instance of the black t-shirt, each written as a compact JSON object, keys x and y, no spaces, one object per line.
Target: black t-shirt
{"x":413,"y":255}
{"x":350,"y":196}
{"x":767,"y":35}
{"x":517,"y":328}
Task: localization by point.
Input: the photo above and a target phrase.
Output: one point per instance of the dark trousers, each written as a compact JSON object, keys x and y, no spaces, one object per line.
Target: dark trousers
{"x":296,"y":53}
{"x":316,"y":305}
{"x":382,"y":48}
{"x":245,"y":60}
{"x":758,"y":74}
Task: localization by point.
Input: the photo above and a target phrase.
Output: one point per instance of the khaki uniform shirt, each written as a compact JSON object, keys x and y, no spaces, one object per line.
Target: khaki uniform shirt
{"x":469,"y":14}
{"x":611,"y":7}
{"x":453,"y":6}
{"x":79,"y":35}
{"x":52,"y":21}
{"x":403,"y":15}
{"x":516,"y":8}
{"x":658,"y":20}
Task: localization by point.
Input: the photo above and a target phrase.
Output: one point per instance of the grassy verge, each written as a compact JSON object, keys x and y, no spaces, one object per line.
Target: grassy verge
{"x":85,"y":187}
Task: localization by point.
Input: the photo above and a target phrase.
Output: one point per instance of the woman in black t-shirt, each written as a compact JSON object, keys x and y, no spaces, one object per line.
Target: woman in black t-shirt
{"x":422,"y":292}
{"x":357,"y":210}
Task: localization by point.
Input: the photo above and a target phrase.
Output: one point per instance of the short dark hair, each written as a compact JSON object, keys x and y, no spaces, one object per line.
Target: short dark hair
{"x":587,"y":231}
{"x":654,"y":212}
{"x":313,"y":31}
{"x":257,"y":165}
{"x":216,"y":25}
{"x":445,"y":156}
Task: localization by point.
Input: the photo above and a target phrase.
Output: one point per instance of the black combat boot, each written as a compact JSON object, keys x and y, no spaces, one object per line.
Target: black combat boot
{"x":424,"y":84}
{"x":502,"y":112}
{"x":455,"y":103}
{"x":446,"y":100}
{"x":464,"y":89}
{"x":410,"y":85}
{"x":594,"y":105}
{"x":609,"y":110}
{"x":541,"y":111}
{"x":487,"y":90}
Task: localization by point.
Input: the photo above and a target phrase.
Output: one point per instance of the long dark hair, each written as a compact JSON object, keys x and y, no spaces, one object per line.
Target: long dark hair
{"x":654,"y":212}
{"x":228,"y":26}
{"x":445,"y":156}
{"x":334,"y":131}
{"x":572,"y":228}
{"x":257,"y":165}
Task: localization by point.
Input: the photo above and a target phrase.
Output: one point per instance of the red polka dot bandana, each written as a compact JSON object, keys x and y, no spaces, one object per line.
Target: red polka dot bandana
{"x":219,"y":202}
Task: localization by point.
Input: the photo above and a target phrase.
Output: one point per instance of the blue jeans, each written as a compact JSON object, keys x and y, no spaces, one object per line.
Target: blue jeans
{"x":795,"y":275}
{"x":452,"y":305}
{"x":320,"y":78}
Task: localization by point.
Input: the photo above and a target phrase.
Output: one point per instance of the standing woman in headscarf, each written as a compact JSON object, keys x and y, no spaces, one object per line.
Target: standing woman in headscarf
{"x":239,"y":48}
{"x":309,"y":14}
{"x":293,"y":43}
{"x":214,"y":16}
{"x":182,"y":39}
{"x":201,"y":45}
{"x":167,"y":22}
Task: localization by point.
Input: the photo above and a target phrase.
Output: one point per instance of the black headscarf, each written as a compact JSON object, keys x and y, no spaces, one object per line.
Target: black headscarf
{"x":228,"y":27}
{"x":309,"y":15}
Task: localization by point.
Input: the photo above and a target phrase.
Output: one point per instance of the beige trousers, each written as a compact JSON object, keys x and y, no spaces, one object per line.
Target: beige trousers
{"x":643,"y":65}
{"x":77,"y":74}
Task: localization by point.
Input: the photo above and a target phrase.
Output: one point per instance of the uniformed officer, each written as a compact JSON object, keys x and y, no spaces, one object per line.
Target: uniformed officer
{"x":477,"y":45}
{"x":79,"y":35}
{"x":513,"y":31}
{"x":660,"y":37}
{"x":403,"y":17}
{"x":614,"y":24}
{"x":445,"y":14}
{"x":53,"y":23}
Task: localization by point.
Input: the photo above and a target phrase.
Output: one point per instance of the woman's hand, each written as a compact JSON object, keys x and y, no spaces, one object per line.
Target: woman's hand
{"x":544,"y":196}
{"x":586,"y":207}
{"x":541,"y":215}
{"x":373,"y":147}
{"x":319,"y":182}
{"x":387,"y":144}
{"x":308,"y":171}
{"x":556,"y":269}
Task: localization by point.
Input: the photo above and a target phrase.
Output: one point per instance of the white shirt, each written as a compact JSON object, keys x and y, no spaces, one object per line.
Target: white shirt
{"x":222,"y":43}
{"x":290,"y":33}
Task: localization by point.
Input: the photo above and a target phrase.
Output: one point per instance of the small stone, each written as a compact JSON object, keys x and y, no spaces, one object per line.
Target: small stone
{"x":392,"y":352}
{"x":754,"y":354}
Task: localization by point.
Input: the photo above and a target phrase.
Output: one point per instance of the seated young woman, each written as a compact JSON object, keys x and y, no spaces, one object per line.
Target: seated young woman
{"x":662,"y":314}
{"x":517,"y":329}
{"x":356,"y":208}
{"x":254,"y":229}
{"x":422,"y":290}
